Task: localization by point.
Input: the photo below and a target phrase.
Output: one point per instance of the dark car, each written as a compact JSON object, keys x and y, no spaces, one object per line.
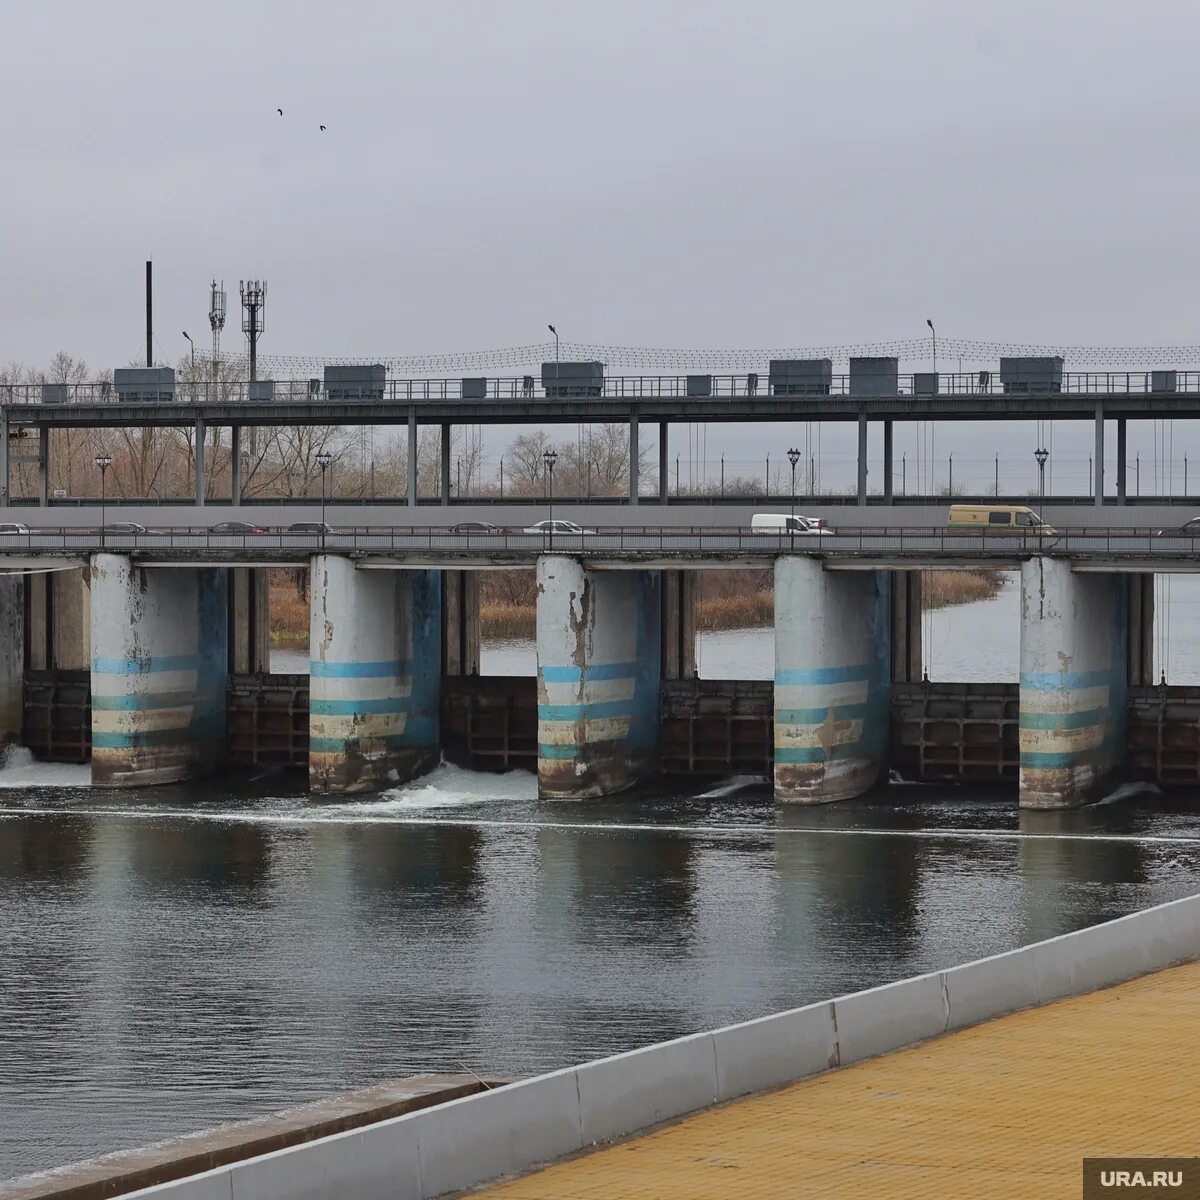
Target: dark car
{"x":309,"y":527}
{"x":1187,"y":529}
{"x":239,"y":527}
{"x":123,"y":527}
{"x":475,"y":527}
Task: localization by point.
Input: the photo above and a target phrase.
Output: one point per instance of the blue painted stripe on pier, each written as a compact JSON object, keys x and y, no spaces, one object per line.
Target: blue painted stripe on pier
{"x":800,"y":676}
{"x":1065,"y":720}
{"x":547,"y":750}
{"x":354,"y":708}
{"x":800,"y":754}
{"x":1058,"y":681}
{"x":319,"y":669}
{"x":142,"y":666}
{"x":818,"y":716}
{"x":148,"y":701}
{"x":593,"y":672}
{"x":1048,"y":760}
{"x":595,"y":711}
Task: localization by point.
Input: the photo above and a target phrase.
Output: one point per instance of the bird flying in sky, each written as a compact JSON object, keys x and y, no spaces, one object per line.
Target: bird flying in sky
{"x":279,"y":111}
{"x":322,"y":128}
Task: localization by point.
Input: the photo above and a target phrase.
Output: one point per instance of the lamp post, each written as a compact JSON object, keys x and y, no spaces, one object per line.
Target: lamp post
{"x":1041,"y":454}
{"x":793,"y":458}
{"x":324,"y":459}
{"x":193,"y":346}
{"x":550,"y":457}
{"x":929,"y":322}
{"x":555,"y":332}
{"x":103,"y":461}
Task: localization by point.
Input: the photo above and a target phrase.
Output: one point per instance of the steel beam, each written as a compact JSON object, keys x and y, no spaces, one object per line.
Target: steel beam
{"x":412,"y":459}
{"x":862,"y":457}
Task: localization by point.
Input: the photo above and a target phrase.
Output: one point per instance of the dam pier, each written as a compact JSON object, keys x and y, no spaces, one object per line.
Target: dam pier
{"x":152,"y":663}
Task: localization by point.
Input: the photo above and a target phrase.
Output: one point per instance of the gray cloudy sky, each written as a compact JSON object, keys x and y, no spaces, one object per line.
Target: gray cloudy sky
{"x":658,"y":172}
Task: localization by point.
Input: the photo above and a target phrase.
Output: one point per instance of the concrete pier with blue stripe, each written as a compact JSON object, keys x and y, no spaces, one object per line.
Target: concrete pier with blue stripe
{"x":159,"y":672}
{"x":1074,"y":673}
{"x":376,"y":669}
{"x":599,"y":648}
{"x":832,"y":680}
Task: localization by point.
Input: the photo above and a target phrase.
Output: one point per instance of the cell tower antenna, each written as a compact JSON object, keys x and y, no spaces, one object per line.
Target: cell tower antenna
{"x":254,"y":303}
{"x":216,"y":319}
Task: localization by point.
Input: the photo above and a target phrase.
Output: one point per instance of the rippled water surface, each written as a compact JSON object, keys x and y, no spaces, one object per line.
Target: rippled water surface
{"x":185,"y":956}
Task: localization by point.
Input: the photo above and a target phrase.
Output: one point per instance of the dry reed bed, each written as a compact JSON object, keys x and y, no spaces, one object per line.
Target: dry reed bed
{"x":745,"y":603}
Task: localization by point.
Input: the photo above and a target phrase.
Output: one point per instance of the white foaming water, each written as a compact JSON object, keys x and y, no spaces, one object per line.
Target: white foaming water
{"x":19,"y":769}
{"x":448,"y":786}
{"x":732,"y":786}
{"x":1127,"y":791}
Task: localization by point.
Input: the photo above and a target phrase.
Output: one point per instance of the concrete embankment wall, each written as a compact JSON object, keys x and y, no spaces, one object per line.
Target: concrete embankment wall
{"x":506,"y":1131}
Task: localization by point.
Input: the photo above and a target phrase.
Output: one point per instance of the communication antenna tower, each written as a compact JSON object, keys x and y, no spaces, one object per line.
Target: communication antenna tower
{"x":216,"y":319}
{"x":254,"y":303}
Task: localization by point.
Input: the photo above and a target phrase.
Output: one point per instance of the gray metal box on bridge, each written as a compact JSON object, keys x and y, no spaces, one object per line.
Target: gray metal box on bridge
{"x":699,"y":385}
{"x":1160,"y":381}
{"x":144,"y":383}
{"x":55,"y":393}
{"x":573,"y":378}
{"x":474,"y":388}
{"x":1031,"y":374}
{"x":874,"y":376}
{"x":800,"y":376}
{"x":355,"y":382}
{"x":262,"y":391}
{"x":926,"y":383}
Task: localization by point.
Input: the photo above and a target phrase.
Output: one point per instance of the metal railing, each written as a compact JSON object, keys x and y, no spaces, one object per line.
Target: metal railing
{"x":717,"y":387}
{"x":620,"y":541}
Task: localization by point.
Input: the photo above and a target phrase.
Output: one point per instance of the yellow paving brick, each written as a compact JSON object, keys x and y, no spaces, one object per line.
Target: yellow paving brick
{"x":1007,"y":1109}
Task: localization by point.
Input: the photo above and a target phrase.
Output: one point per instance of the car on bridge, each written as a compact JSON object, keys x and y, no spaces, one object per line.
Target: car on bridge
{"x":475,"y":527}
{"x":562,"y":527}
{"x":123,"y":527}
{"x":1187,"y":529}
{"x":8,"y":528}
{"x":235,"y":527}
{"x":309,"y":527}
{"x":781,"y":523}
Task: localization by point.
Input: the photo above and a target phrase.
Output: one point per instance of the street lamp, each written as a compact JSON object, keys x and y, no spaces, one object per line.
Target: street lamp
{"x":793,"y":458}
{"x":555,"y":332}
{"x":1041,"y":454}
{"x":929,"y":322}
{"x":193,"y":346}
{"x":324,"y":458}
{"x":550,"y":457}
{"x":103,"y":461}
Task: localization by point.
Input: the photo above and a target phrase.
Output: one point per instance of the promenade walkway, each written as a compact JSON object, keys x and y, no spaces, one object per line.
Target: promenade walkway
{"x":1005,"y":1109}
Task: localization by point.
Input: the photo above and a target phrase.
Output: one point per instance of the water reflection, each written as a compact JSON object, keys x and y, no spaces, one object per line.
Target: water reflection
{"x":167,"y":966}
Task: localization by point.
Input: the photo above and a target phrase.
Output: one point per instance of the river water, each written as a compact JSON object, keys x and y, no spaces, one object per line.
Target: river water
{"x":176,"y":957}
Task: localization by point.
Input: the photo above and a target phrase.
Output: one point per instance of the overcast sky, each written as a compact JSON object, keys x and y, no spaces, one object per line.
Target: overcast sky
{"x":656,"y":173}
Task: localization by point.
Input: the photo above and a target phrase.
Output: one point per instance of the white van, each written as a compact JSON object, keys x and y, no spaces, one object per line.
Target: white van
{"x":781,"y":525}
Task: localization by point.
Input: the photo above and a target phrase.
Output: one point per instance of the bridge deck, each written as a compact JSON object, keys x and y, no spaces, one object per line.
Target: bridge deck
{"x":1006,"y":1109}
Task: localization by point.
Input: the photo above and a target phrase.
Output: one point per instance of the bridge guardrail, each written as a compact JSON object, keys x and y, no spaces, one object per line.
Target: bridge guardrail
{"x":644,"y":541}
{"x":723,"y":387}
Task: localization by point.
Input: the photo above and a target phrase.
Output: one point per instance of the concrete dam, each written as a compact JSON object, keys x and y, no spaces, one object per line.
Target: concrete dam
{"x":160,"y":673}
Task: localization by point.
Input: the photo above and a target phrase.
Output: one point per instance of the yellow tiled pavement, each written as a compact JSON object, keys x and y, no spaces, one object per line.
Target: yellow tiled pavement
{"x":1006,"y":1109}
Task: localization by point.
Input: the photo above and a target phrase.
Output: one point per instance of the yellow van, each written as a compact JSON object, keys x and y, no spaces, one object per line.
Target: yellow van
{"x":998,"y":518}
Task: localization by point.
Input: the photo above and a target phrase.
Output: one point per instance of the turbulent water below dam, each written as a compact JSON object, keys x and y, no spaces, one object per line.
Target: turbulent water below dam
{"x":177,"y":957}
